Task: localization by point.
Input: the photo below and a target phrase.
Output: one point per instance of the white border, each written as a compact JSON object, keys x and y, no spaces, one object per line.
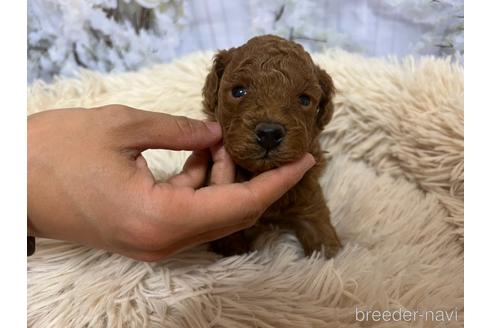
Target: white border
{"x":13,"y":161}
{"x":478,"y":165}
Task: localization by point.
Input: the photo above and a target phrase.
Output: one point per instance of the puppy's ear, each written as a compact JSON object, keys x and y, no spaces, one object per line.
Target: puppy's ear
{"x":325,"y":109}
{"x":212,"y":83}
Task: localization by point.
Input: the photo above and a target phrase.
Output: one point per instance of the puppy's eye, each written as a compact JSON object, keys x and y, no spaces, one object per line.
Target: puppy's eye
{"x":304,"y":100}
{"x":238,"y":92}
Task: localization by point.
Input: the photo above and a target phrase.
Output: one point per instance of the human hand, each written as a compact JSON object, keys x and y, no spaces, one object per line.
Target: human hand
{"x":88,"y":182}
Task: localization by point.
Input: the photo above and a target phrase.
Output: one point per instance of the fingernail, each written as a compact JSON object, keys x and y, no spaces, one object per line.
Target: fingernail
{"x":310,"y":161}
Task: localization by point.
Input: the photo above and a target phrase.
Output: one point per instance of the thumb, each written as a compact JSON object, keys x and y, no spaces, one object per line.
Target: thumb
{"x":150,"y":130}
{"x":229,"y":204}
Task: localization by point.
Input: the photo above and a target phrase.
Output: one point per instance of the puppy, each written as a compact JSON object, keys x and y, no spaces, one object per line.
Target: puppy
{"x":272,"y":102}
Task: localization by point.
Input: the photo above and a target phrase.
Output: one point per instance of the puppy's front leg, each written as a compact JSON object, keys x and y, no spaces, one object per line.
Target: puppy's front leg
{"x":315,"y":234}
{"x":234,"y":244}
{"x":239,"y":242}
{"x":314,"y":231}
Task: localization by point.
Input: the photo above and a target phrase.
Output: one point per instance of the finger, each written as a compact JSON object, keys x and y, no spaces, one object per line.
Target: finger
{"x":271,"y":185}
{"x":225,"y":205}
{"x":150,"y":130}
{"x":194,"y":171}
{"x":223,"y":168}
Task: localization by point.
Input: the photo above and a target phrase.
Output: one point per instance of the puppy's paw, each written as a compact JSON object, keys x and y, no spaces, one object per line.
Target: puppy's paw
{"x":317,"y":235}
{"x":330,"y":249}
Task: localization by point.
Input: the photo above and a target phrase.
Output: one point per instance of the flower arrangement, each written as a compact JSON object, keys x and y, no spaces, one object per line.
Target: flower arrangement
{"x":121,"y":35}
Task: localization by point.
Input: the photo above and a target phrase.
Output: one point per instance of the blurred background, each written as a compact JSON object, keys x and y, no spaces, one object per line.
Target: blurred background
{"x":122,"y":35}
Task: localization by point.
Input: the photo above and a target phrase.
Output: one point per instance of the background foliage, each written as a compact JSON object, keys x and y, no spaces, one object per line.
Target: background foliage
{"x":121,"y":35}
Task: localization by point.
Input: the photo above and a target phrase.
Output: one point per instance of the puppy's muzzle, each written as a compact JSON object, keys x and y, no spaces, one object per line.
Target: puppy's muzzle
{"x":269,"y":135}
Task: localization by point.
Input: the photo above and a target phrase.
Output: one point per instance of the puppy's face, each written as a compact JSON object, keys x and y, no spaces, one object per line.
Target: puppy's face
{"x":271,"y":100}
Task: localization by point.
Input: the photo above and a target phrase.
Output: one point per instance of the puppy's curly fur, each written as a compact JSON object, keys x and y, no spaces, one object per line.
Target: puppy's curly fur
{"x":273,"y":80}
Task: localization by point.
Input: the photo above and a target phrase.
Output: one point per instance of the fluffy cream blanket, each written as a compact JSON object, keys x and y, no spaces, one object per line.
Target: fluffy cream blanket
{"x":394,"y":184}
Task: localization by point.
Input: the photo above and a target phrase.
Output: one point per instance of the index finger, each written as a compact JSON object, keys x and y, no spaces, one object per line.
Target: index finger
{"x":140,"y":129}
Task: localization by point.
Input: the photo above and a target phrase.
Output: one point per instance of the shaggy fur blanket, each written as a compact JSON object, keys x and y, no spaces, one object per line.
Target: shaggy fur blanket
{"x":394,"y":183}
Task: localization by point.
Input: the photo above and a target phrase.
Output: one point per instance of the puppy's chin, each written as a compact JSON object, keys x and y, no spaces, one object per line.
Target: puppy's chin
{"x":264,"y":163}
{"x":258,"y":165}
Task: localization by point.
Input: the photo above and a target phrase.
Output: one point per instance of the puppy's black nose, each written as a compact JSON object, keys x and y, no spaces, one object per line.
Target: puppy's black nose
{"x":269,"y":135}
